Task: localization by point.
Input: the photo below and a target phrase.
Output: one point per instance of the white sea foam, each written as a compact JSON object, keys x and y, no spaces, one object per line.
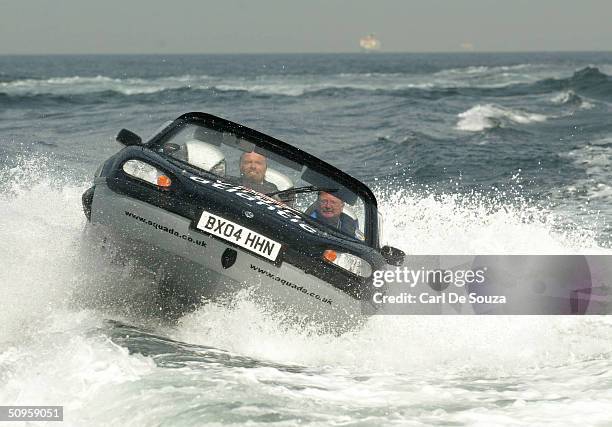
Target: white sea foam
{"x":81,"y":85}
{"x":61,"y":364}
{"x":570,"y":97}
{"x":419,"y":224}
{"x":402,"y":344}
{"x":486,"y":116}
{"x":595,"y":159}
{"x":475,"y":224}
{"x":279,"y":84}
{"x":39,"y":246}
{"x":286,"y":84}
{"x":563,"y":97}
{"x":483,"y":69}
{"x":482,"y":72}
{"x":604,"y":68}
{"x":289,"y":84}
{"x":48,"y":354}
{"x":392,"y":369}
{"x":497,"y":76}
{"x":267,"y":85}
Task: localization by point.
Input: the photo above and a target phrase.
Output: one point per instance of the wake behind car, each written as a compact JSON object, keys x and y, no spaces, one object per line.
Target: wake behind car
{"x":210,"y":207}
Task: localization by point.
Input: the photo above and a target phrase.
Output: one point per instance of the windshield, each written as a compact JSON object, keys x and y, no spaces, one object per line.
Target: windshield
{"x":328,"y":197}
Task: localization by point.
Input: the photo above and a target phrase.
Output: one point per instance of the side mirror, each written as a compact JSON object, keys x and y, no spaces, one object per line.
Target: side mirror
{"x":393,"y":256}
{"x":127,"y":138}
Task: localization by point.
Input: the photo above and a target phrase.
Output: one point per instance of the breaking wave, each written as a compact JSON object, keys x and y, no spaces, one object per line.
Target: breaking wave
{"x":55,"y":351}
{"x":594,"y":158}
{"x":473,"y":81}
{"x":74,"y":85}
{"x":569,"y":97}
{"x":481,"y":117}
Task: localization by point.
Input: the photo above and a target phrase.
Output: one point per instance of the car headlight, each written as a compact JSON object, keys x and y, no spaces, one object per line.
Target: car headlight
{"x":348,"y":262}
{"x":146,"y":172}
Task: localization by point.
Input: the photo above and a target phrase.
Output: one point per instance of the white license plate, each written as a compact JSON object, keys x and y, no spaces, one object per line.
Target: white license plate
{"x":239,"y":235}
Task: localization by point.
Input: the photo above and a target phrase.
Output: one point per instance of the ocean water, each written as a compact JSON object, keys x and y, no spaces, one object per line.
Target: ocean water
{"x":467,"y":153}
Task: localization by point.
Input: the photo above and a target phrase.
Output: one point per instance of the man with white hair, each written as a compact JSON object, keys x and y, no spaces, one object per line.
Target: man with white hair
{"x":329,"y":209}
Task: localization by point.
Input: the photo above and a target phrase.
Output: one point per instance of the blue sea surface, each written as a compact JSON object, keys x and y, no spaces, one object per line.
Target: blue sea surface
{"x":466,"y":153}
{"x":449,"y":122}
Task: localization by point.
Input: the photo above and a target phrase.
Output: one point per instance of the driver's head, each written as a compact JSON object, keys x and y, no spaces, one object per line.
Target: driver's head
{"x":329,"y":206}
{"x":253,"y":167}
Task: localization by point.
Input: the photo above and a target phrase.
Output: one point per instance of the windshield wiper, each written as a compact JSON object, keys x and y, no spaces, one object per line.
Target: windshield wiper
{"x":300,"y":190}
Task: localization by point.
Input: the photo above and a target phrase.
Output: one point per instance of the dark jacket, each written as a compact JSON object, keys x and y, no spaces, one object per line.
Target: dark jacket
{"x":264,"y":187}
{"x":345,"y":223}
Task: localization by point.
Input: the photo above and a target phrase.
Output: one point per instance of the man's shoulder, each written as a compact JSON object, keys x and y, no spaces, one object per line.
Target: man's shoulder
{"x":269,"y":187}
{"x":264,"y":187}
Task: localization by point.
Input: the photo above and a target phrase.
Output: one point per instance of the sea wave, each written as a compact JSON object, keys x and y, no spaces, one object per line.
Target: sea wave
{"x":588,"y":81}
{"x":472,"y":81}
{"x":569,"y":97}
{"x":268,"y":85}
{"x":497,"y":75}
{"x":594,"y":159}
{"x":95,"y":366}
{"x":481,"y":117}
{"x":478,"y":69}
{"x":72,"y":85}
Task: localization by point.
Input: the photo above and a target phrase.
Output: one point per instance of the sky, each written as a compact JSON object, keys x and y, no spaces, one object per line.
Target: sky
{"x":283,"y":26}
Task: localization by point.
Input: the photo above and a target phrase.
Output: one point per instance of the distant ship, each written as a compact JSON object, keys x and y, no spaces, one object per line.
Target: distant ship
{"x":369,"y":43}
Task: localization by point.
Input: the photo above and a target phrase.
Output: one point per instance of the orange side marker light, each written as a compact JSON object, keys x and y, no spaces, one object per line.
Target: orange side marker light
{"x":330,"y":255}
{"x":164,"y":181}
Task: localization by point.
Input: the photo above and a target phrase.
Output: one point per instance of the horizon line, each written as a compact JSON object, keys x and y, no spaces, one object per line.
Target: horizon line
{"x":374,"y":54}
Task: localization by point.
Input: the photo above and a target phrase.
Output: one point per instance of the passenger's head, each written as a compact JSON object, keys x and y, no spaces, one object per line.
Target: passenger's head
{"x":329,"y":206}
{"x":253,"y":167}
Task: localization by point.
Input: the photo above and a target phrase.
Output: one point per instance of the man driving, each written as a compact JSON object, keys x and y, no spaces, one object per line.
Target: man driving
{"x":253,"y":168}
